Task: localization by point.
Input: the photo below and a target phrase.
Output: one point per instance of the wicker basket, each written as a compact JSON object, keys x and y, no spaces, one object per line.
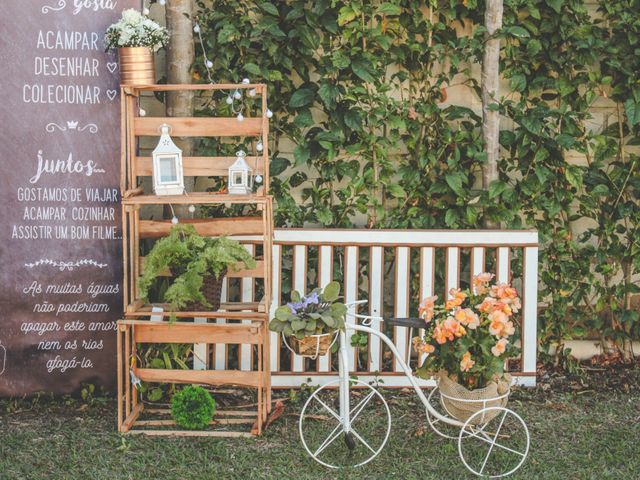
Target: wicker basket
{"x":212,"y":291}
{"x":462,"y":403}
{"x":313,"y":345}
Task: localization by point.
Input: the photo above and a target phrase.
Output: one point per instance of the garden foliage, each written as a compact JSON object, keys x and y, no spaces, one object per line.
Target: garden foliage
{"x":192,"y":408}
{"x":360,"y":89}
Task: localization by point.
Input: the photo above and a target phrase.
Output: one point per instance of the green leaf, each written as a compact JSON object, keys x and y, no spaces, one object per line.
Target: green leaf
{"x":329,"y":320}
{"x":346,"y":15}
{"x":302,"y":97}
{"x":534,"y":46}
{"x":632,"y":110}
{"x":518,"y":82}
{"x":252,"y":68}
{"x":282,"y":313}
{"x":328,"y":92}
{"x":295,"y":296}
{"x":298,"y":324}
{"x":269,"y":8}
{"x":353,"y":119}
{"x":388,"y":8}
{"x":454,"y":180}
{"x":517,"y":31}
{"x":555,"y":4}
{"x":278,"y":165}
{"x":301,"y":154}
{"x":396,"y":190}
{"x":331,"y":291}
{"x":573,"y":175}
{"x":154,"y":395}
{"x":496,"y":188}
{"x":362,"y":68}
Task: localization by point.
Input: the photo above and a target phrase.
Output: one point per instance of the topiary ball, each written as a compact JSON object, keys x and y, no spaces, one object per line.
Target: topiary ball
{"x":192,"y":408}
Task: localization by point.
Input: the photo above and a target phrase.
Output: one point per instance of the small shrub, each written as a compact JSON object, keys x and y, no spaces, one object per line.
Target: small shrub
{"x":193,"y":408}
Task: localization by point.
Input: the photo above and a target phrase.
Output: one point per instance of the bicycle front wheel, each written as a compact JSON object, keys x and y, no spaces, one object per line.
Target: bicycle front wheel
{"x":322,"y":432}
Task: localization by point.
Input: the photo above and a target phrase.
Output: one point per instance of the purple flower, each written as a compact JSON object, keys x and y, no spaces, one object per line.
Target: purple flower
{"x":312,"y":299}
{"x":294,"y":307}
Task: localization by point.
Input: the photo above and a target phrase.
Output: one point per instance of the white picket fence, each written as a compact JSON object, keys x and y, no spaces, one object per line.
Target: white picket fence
{"x":393,"y":270}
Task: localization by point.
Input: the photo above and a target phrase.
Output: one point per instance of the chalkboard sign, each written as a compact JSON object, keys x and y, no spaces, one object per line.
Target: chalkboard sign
{"x":60,"y":234}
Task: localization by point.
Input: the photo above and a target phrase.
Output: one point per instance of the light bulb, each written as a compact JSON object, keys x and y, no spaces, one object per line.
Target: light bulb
{"x":162,"y":2}
{"x":269,"y":113}
{"x":240,"y":117}
{"x":192,"y":208}
{"x":259,"y":146}
{"x":245,"y":81}
{"x":229,"y":100}
{"x":196,"y":28}
{"x":145,"y":11}
{"x":237,"y":95}
{"x":142,"y":112}
{"x":252,"y":92}
{"x":258,"y":178}
{"x":175,"y":220}
{"x":208,"y":63}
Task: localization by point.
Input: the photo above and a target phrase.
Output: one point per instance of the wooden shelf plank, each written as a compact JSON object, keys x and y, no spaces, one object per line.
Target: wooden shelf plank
{"x":167,"y":332}
{"x":191,"y":433}
{"x":201,"y":166}
{"x":207,"y":198}
{"x":207,"y":377}
{"x":199,"y":86}
{"x":199,"y":126}
{"x":230,"y":310}
{"x":207,"y":227}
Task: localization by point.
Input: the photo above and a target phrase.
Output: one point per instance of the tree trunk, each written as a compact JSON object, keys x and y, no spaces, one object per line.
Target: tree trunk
{"x":180,"y":57}
{"x":490,"y":84}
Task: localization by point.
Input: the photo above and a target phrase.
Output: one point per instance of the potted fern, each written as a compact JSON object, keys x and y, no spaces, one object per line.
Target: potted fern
{"x":197,"y":266}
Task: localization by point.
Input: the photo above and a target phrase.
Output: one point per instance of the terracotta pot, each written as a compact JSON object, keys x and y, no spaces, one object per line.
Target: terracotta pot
{"x":314,"y":345}
{"x":136,"y":66}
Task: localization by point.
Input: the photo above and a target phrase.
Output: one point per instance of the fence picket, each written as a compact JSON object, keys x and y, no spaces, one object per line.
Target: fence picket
{"x":376,"y":302}
{"x":221,"y":348}
{"x":325,"y":275}
{"x":275,"y":343}
{"x":246,"y":286}
{"x":351,"y":275}
{"x":402,"y":303}
{"x":427,"y":280}
{"x":299,"y":284}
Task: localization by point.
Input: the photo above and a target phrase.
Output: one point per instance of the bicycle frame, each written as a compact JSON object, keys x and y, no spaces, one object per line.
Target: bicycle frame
{"x":343,"y":362}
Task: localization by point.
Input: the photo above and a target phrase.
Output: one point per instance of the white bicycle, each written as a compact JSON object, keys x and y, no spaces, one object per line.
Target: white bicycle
{"x":493,"y":442}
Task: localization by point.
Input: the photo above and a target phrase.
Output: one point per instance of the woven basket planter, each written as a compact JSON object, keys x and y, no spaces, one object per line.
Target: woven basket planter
{"x":314,"y":345}
{"x":461,"y":403}
{"x":211,"y":290}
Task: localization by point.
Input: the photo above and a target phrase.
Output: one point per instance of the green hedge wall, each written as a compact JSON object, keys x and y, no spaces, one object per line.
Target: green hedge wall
{"x":359,"y":87}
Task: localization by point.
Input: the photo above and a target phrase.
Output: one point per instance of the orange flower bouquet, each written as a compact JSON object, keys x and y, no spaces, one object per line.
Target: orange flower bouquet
{"x":469,"y":339}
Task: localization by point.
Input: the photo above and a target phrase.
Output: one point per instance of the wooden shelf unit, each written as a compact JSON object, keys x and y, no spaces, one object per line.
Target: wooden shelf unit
{"x":251,"y":318}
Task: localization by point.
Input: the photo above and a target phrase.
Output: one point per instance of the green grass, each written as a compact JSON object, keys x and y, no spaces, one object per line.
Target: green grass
{"x":574,"y":436}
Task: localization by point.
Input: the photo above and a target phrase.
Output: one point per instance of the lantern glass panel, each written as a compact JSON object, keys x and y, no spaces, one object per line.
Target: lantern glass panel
{"x":236,"y":179}
{"x":168,"y":172}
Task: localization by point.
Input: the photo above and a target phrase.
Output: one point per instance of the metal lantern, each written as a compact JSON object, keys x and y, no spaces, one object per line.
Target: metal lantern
{"x":168,"y":177}
{"x":240,"y":176}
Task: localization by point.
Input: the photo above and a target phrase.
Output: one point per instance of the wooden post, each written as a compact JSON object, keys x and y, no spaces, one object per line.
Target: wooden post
{"x":490,"y":85}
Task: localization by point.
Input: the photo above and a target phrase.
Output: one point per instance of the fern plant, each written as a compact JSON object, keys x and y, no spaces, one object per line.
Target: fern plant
{"x":190,"y":257}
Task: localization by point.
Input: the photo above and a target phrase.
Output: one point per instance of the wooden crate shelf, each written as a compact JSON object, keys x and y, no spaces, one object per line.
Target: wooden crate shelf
{"x":236,"y":323}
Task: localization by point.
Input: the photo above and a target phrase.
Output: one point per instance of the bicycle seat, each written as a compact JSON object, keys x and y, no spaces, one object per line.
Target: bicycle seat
{"x":411,"y":322}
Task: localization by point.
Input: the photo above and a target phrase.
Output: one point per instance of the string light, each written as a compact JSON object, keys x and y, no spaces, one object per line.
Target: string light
{"x":192,"y":208}
{"x":162,"y":2}
{"x":252,"y":92}
{"x":246,"y":81}
{"x":237,"y":95}
{"x":240,"y":117}
{"x":258,"y":178}
{"x":259,"y":146}
{"x":269,"y":113}
{"x":175,"y":220}
{"x":142,"y":112}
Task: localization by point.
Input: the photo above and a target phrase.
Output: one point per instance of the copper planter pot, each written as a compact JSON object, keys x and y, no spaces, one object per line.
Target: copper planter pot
{"x":136,"y":66}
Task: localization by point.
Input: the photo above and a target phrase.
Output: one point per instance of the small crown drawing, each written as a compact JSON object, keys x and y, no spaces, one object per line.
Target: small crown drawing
{"x":72,"y":124}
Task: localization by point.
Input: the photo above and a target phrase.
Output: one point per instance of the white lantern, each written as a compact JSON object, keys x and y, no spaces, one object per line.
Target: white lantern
{"x":240,"y":176}
{"x":168,"y":177}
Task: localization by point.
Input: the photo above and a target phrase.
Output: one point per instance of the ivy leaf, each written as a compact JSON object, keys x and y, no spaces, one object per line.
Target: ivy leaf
{"x":302,"y":97}
{"x":278,"y":165}
{"x":270,"y":8}
{"x":396,"y":190}
{"x":252,"y":68}
{"x":519,"y":32}
{"x":565,"y":141}
{"x":454,"y":180}
{"x":388,"y":8}
{"x":451,"y":218}
{"x":518,"y":82}
{"x":328,"y":93}
{"x":362,"y":68}
{"x":346,"y":15}
{"x":573,"y":175}
{"x":496,"y":188}
{"x":353,"y":119}
{"x":632,"y":110}
{"x":555,"y":4}
{"x":534,"y":46}
{"x":301,"y":154}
